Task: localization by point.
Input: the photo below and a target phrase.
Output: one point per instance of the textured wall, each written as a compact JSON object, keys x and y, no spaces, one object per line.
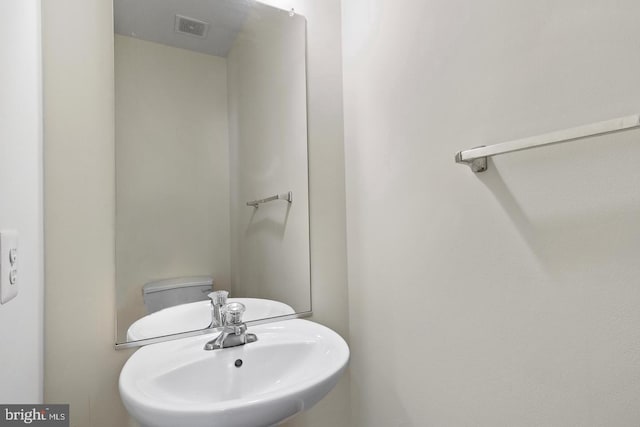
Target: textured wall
{"x":21,"y":319}
{"x":510,"y":297}
{"x":81,"y":366}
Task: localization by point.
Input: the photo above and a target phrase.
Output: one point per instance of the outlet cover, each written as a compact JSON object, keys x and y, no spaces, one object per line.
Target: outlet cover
{"x":9,"y":277}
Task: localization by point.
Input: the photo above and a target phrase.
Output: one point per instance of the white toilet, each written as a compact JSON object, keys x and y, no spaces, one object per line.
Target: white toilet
{"x":165,"y":293}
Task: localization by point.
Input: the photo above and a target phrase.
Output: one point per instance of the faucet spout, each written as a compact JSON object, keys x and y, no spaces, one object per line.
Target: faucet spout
{"x":234,"y":332}
{"x":218,"y":301}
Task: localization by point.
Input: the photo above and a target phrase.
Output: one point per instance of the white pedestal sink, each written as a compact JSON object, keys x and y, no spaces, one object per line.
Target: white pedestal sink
{"x":197,"y":315}
{"x":293,"y":365}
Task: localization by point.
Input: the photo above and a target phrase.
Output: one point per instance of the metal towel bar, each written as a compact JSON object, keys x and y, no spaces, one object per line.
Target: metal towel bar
{"x":476,"y":158}
{"x":284,"y":196}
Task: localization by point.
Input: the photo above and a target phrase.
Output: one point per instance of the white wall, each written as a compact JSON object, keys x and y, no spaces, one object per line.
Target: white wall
{"x":510,"y":297}
{"x":79,"y":159}
{"x":21,"y":319}
{"x":172,"y":177}
{"x":81,"y":365}
{"x":268,"y":147}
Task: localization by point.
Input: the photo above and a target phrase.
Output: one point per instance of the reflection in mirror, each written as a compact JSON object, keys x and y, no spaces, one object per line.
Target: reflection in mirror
{"x":211,"y":163}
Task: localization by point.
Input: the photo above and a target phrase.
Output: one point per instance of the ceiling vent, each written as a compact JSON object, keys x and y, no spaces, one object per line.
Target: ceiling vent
{"x":191,"y":27}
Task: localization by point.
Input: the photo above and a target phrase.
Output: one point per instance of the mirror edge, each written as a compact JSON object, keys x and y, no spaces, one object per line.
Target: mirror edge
{"x":140,"y":343}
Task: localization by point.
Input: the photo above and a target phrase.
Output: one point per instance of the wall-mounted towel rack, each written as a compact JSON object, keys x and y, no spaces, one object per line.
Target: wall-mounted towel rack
{"x":476,"y":158}
{"x":288,"y":196}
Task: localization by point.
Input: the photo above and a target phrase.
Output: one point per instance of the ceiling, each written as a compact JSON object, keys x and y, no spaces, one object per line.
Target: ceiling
{"x":154,"y":21}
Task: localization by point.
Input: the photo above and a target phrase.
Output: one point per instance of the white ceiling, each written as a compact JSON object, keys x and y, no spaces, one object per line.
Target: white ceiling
{"x":153,"y":20}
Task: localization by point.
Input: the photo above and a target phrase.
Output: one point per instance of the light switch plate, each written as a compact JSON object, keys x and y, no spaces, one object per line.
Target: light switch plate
{"x":9,"y":277}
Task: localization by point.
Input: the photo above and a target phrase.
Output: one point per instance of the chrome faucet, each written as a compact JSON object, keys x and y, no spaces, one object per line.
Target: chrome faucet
{"x":234,"y":331}
{"x":218,"y":301}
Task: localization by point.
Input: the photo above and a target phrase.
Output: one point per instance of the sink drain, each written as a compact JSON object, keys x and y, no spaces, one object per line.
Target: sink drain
{"x":238,"y":363}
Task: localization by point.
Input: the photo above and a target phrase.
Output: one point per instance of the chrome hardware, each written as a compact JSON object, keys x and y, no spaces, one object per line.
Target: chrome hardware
{"x":477,"y":165}
{"x":234,"y":332}
{"x":284,"y":196}
{"x":476,"y":158}
{"x":218,"y":301}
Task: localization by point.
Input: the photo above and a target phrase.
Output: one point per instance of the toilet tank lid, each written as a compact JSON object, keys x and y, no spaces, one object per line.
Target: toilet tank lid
{"x":178,"y":282}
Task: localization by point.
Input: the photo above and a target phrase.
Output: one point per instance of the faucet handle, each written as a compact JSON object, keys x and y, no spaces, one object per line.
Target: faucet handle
{"x":218,"y":298}
{"x":233,"y":313}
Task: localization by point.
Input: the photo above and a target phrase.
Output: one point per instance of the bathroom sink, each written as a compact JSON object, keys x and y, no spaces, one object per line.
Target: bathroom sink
{"x":291,"y":367}
{"x":197,"y":315}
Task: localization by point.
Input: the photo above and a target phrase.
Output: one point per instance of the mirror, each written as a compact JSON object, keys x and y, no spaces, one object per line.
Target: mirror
{"x":211,"y":163}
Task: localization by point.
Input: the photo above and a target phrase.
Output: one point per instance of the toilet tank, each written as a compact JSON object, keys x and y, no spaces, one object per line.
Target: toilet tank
{"x":165,"y":293}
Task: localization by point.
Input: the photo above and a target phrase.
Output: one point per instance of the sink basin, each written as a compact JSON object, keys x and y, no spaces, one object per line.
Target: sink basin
{"x":291,"y":367}
{"x":197,"y":315}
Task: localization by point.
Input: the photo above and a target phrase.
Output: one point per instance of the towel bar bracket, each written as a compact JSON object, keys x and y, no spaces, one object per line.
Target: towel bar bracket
{"x":477,"y":165}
